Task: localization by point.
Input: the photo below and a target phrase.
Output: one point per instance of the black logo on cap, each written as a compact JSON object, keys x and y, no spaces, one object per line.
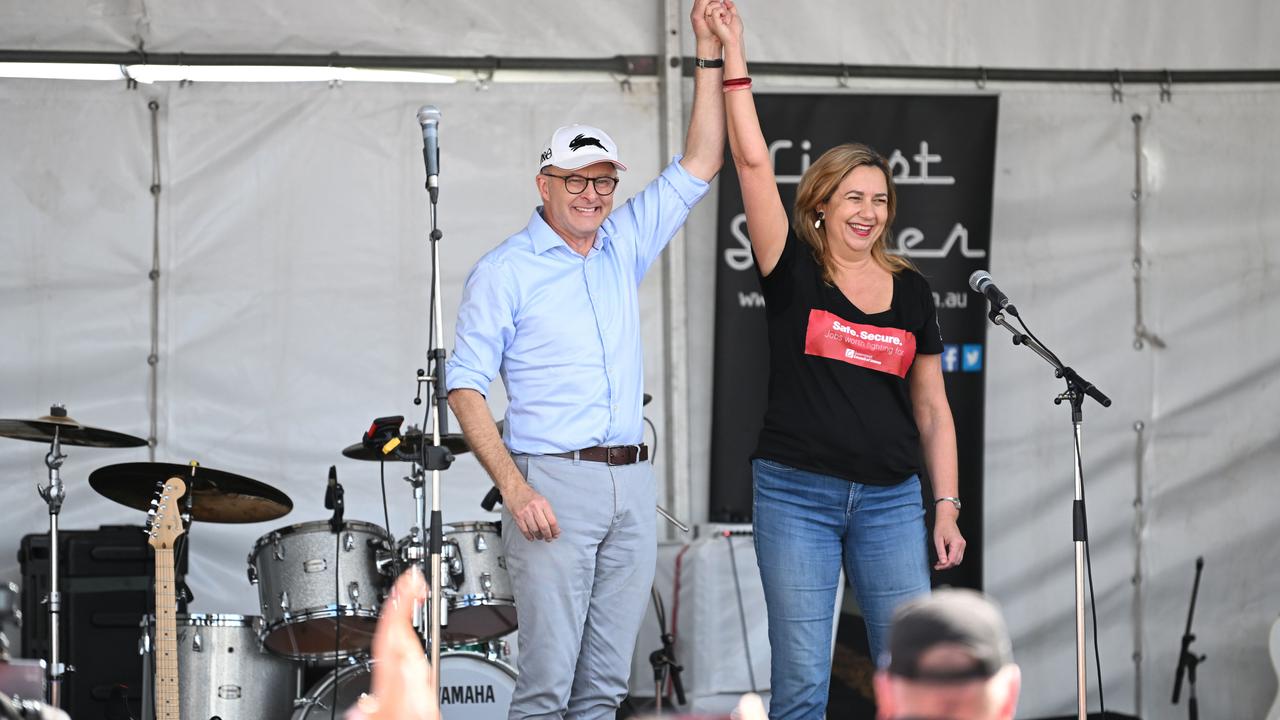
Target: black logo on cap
{"x":582,"y":141}
{"x":546,"y":155}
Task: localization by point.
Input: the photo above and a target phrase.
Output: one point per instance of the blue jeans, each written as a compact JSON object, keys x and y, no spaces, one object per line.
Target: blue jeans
{"x":806,"y":526}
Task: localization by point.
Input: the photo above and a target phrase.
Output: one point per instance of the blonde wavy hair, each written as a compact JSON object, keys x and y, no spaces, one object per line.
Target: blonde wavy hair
{"x":820,"y":182}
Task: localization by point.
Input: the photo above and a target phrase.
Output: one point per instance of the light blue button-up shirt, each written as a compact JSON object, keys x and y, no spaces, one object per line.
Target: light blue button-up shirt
{"x":564,"y":330}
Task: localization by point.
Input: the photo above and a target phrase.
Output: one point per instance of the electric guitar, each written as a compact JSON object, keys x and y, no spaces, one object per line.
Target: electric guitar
{"x":164,"y":527}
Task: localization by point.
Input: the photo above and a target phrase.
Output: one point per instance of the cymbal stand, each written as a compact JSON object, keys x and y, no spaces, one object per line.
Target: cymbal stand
{"x":53,"y":494}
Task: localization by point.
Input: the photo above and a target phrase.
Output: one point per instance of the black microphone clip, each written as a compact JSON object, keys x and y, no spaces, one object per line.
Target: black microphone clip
{"x":333,"y":500}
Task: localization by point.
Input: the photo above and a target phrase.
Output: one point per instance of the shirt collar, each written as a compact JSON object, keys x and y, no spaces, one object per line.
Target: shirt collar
{"x":542,"y":238}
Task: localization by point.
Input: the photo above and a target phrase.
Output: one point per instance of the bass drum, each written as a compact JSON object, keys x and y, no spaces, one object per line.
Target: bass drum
{"x":473,"y":687}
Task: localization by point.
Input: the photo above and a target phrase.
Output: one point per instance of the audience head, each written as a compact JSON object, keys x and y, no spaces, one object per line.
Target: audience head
{"x":949,"y":658}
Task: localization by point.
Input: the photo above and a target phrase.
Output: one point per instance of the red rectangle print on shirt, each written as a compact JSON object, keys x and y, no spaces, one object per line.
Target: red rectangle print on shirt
{"x":876,"y":348}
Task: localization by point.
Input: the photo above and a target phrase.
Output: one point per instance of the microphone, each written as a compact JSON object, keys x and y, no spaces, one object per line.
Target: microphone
{"x":429,"y":119}
{"x":493,"y":497}
{"x":333,"y":500}
{"x":981,"y":282}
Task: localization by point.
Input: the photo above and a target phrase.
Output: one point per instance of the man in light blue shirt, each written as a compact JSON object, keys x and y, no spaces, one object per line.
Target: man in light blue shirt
{"x":555,"y":310}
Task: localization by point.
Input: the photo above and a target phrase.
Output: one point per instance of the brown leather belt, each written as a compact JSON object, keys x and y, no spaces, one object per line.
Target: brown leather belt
{"x":610,"y":455}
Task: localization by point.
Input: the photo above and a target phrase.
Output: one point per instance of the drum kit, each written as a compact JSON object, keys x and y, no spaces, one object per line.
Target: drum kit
{"x":320,"y":586}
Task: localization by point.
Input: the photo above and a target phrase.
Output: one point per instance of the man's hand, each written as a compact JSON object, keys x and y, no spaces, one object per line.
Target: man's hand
{"x":701,"y":28}
{"x":532,"y":513}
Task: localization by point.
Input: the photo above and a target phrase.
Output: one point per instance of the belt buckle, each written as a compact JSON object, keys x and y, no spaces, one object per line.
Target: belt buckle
{"x":609,"y":455}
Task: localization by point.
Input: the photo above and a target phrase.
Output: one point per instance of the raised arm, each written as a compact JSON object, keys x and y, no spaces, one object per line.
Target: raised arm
{"x":766,"y":216}
{"x":704,"y":143}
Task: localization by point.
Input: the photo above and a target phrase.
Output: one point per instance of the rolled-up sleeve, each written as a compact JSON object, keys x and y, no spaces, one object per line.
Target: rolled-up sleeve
{"x":654,"y":214}
{"x":485,"y":328}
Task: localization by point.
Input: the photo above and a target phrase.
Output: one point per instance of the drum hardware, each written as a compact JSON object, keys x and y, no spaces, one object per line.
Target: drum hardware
{"x":20,"y":709}
{"x":19,"y":678}
{"x":213,"y":495}
{"x":406,"y":448}
{"x":10,"y":616}
{"x":59,"y":429}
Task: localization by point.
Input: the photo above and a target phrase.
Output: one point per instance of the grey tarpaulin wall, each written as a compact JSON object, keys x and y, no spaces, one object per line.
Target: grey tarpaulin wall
{"x":294,"y":272}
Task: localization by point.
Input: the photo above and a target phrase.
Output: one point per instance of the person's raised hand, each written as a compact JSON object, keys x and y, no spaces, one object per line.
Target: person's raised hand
{"x":699,"y":19}
{"x":404,"y":686}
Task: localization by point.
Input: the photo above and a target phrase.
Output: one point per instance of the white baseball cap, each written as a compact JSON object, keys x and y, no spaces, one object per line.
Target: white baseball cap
{"x":577,"y":146}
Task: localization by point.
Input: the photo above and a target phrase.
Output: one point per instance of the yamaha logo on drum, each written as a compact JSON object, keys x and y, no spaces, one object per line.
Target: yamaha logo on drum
{"x":466,"y":694}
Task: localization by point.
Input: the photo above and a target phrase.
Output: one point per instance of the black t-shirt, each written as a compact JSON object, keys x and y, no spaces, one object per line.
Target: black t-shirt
{"x":839,"y":402}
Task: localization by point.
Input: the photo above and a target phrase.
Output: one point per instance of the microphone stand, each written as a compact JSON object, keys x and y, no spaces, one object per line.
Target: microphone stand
{"x":1187,"y":660}
{"x":1077,"y":389}
{"x":663,"y":660}
{"x":433,"y":457}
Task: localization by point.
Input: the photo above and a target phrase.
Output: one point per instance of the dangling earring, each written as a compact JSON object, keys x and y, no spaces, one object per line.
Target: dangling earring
{"x":817,"y":224}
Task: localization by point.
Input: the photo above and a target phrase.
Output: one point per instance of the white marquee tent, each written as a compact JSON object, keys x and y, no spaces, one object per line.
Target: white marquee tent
{"x":290,"y":231}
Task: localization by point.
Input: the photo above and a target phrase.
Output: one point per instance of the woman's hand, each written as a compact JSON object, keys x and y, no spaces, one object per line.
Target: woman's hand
{"x":947,"y":540}
{"x":723,"y":19}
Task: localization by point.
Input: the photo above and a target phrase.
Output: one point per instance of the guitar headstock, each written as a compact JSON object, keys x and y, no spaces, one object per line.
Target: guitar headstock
{"x":164,"y":520}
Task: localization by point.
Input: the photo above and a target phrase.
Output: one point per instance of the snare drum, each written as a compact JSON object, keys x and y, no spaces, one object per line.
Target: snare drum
{"x":299,"y":569}
{"x":472,"y":687}
{"x":481,"y":603}
{"x":223,"y":671}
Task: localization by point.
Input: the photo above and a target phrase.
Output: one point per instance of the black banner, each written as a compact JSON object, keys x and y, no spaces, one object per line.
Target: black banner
{"x":942,"y":152}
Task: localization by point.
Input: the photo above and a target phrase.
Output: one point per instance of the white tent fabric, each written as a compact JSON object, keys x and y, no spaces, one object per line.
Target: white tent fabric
{"x":1094,"y":34}
{"x":294,"y":275}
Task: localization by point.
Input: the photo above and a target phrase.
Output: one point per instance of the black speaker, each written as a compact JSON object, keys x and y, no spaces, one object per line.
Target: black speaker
{"x":106,"y":591}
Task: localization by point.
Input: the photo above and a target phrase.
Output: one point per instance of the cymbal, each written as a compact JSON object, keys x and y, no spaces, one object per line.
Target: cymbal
{"x":216,"y":496}
{"x":69,"y":432}
{"x":408,"y":449}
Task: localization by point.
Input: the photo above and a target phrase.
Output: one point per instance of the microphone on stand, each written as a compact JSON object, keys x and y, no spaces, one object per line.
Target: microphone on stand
{"x":333,"y":500}
{"x":981,"y":282}
{"x":429,"y":119}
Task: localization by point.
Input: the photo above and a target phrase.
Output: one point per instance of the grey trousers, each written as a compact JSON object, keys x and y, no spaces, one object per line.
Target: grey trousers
{"x":581,"y":598}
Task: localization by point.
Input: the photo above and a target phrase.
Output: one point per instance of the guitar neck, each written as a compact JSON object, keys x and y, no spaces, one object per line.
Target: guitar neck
{"x":166,"y":643}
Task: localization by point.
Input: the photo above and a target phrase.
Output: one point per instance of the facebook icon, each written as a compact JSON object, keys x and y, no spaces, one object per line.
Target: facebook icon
{"x":950,"y":358}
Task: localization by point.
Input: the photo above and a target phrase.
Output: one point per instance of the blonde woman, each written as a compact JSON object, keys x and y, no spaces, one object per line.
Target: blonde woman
{"x":857,"y":407}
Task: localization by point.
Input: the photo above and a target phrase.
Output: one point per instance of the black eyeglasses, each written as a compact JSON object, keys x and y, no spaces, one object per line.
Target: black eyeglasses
{"x":576,"y":184}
